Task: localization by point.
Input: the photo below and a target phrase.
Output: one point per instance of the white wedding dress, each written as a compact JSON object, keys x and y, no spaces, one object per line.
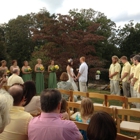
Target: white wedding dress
{"x":75,"y":88}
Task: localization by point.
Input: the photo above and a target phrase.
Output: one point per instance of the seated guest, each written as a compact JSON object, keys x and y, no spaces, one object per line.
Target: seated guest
{"x":32,"y":102}
{"x":15,"y":78}
{"x":101,"y":127}
{"x":49,"y":124}
{"x":6,"y":103}
{"x":65,"y":85}
{"x":63,"y":110}
{"x":85,"y":114}
{"x":18,"y":127}
{"x":86,"y":111}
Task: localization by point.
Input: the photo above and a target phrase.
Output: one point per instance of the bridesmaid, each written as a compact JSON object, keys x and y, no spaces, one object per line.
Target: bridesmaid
{"x":3,"y":65}
{"x":26,"y":72}
{"x":52,"y":82}
{"x":14,"y":65}
{"x":39,"y":69}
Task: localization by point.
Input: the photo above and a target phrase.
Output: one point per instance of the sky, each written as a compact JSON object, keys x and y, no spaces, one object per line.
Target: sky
{"x":119,"y":11}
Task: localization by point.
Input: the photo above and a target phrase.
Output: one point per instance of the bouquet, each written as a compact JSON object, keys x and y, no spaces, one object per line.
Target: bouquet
{"x":28,"y":70}
{"x":41,"y":68}
{"x":54,"y":68}
{"x":98,"y":72}
{"x":8,"y":72}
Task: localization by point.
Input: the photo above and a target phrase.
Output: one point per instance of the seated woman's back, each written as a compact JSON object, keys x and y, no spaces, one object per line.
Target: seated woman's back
{"x":32,"y":104}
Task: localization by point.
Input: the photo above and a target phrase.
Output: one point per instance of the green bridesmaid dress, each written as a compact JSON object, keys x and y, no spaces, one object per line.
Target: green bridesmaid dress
{"x":52,"y":82}
{"x":26,"y":76}
{"x":39,"y":82}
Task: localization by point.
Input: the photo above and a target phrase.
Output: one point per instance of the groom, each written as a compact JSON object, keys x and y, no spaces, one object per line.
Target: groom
{"x":82,"y":75}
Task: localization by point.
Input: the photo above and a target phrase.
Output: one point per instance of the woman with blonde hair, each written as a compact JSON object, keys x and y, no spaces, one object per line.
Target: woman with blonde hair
{"x":39,"y":69}
{"x":87,"y":110}
{"x":6,"y":103}
{"x":26,"y":72}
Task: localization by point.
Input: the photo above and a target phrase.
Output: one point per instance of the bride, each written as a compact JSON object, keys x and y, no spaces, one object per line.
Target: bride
{"x":71,"y":74}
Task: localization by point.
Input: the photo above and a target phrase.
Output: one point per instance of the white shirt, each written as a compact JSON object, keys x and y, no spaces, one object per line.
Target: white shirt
{"x":13,"y":79}
{"x":83,"y":70}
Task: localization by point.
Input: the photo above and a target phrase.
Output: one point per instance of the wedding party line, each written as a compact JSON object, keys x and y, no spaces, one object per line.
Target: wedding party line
{"x":12,"y":74}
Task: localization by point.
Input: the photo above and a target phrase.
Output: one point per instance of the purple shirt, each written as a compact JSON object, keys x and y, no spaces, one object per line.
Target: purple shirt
{"x":49,"y":126}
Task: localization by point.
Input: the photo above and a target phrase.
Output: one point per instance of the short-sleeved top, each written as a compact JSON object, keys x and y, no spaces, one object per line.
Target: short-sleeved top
{"x":132,"y":70}
{"x":115,"y":68}
{"x":14,"y":79}
{"x":126,"y":69}
{"x":83,"y":70}
{"x":66,"y":86}
{"x":136,"y":75}
{"x":50,"y":126}
{"x":17,"y":129}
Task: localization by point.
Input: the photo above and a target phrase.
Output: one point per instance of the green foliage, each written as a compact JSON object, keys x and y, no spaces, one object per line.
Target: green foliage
{"x":18,"y":38}
{"x":130,"y":43}
{"x":3,"y":54}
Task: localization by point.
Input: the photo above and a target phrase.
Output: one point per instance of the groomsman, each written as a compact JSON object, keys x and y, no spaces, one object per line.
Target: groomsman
{"x":135,"y":82}
{"x":132,"y":75}
{"x":125,"y":76}
{"x":114,"y":76}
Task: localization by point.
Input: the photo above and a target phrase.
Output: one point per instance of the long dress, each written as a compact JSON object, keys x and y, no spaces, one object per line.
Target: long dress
{"x":52,"y":81}
{"x":39,"y":81}
{"x":75,"y":88}
{"x":26,"y":76}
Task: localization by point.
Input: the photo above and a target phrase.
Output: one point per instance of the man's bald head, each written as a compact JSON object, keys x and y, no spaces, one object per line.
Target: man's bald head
{"x":17,"y":93}
{"x":16,"y":71}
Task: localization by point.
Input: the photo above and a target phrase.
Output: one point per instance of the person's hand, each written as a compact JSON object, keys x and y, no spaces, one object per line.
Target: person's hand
{"x":110,"y":76}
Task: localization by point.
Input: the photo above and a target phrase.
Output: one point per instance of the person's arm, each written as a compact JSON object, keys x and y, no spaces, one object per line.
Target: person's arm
{"x":126,"y":72}
{"x":124,"y":75}
{"x":111,"y":75}
{"x":49,"y":69}
{"x":18,"y":69}
{"x":134,"y":81}
{"x":79,"y":74}
{"x":11,"y":69}
{"x":43,"y":67}
{"x":131,"y":76}
{"x":23,"y":70}
{"x":35,"y":69}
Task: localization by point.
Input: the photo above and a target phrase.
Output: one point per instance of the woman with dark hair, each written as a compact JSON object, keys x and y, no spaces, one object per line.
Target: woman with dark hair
{"x":14,"y":65}
{"x":71,"y":74}
{"x":52,"y":81}
{"x":26,"y":72}
{"x":101,"y":127}
{"x":32,"y":102}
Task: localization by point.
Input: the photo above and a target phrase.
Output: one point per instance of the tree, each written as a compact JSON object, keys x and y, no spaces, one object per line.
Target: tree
{"x":3,"y":54}
{"x":129,"y":42}
{"x":18,"y":38}
{"x":65,"y":40}
{"x":106,"y":48}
